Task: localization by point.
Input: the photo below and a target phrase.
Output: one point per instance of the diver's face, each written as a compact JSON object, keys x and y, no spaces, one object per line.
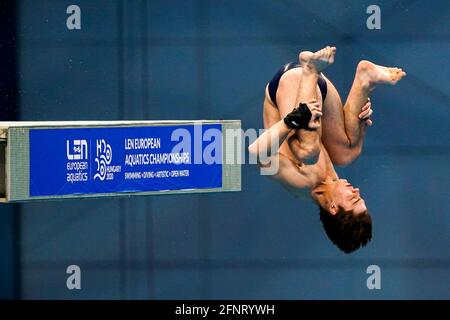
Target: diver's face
{"x":346,"y":197}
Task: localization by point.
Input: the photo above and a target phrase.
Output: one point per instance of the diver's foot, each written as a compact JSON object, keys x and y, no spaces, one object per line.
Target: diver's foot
{"x":317,"y":61}
{"x":371,"y":74}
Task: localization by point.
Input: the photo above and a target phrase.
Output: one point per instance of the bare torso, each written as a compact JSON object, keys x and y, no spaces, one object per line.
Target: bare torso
{"x":313,"y":173}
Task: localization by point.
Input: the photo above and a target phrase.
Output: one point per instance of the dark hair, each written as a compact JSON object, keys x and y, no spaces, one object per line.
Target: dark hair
{"x":347,"y":230}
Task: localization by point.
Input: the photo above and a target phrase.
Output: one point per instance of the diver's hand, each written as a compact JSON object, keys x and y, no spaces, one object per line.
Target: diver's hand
{"x":316,"y":114}
{"x":366,"y":113}
{"x":305,"y":116}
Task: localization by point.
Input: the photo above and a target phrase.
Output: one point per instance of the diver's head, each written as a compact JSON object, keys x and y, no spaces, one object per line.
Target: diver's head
{"x":344,"y":214}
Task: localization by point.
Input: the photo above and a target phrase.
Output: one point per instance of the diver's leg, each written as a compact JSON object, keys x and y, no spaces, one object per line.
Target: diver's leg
{"x":343,"y":149}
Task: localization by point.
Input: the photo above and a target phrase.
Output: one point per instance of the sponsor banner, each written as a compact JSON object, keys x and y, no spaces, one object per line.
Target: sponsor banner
{"x":125,"y":159}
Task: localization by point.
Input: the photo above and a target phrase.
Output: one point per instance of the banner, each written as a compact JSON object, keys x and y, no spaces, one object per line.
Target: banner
{"x":125,"y":159}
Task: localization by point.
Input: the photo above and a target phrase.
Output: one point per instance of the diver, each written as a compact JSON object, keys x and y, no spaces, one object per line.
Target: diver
{"x":304,"y":116}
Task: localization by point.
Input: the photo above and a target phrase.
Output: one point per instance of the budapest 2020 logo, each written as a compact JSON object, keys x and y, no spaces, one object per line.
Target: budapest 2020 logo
{"x":103,"y":158}
{"x":104,"y":154}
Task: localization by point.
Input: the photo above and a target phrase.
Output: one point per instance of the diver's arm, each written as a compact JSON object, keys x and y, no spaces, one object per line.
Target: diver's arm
{"x":305,"y":120}
{"x":270,"y":141}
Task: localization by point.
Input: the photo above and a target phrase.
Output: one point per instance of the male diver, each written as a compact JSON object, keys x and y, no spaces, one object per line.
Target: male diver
{"x":311,"y":140}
